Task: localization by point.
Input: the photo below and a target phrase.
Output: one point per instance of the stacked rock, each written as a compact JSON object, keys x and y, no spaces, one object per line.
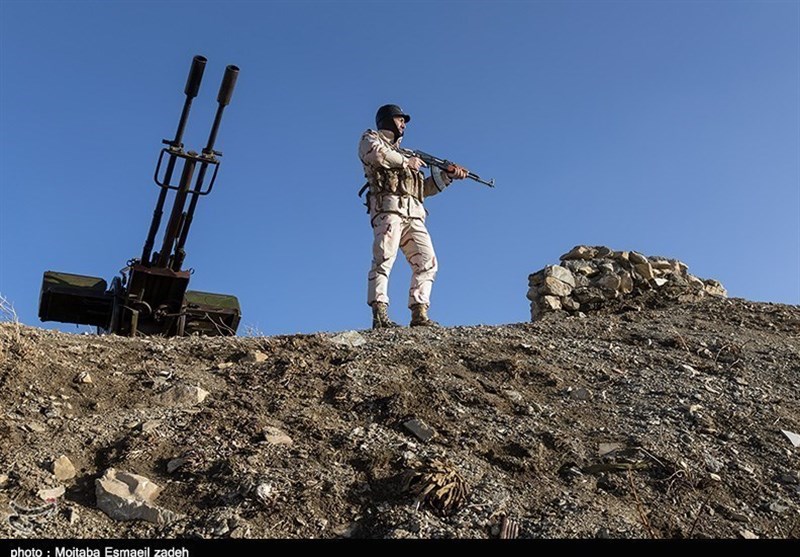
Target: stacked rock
{"x":592,"y":277}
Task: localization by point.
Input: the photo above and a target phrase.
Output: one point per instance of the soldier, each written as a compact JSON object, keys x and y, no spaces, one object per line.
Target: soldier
{"x":397,"y":189}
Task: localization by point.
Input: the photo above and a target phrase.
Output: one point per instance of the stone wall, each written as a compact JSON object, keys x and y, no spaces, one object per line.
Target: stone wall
{"x":592,"y":278}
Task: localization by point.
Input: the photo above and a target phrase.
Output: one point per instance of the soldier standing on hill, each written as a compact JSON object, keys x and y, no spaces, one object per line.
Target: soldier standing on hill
{"x":397,"y":188}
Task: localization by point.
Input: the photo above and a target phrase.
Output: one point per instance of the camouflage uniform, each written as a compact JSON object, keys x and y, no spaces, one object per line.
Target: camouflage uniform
{"x":395,"y":204}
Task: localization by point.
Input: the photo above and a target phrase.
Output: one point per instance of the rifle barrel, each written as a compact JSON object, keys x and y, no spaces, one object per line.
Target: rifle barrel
{"x":477,"y":178}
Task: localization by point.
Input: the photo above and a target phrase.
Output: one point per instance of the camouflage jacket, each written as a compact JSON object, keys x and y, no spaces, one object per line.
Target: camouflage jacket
{"x":393,"y":186}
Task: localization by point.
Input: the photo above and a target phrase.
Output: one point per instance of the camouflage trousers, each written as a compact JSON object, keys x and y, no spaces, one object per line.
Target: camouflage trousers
{"x":392,"y":231}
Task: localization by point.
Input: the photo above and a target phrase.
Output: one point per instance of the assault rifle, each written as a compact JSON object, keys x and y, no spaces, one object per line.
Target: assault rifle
{"x":442,"y":164}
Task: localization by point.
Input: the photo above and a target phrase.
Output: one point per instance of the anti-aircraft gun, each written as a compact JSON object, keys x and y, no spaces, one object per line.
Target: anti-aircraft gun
{"x":150,"y":296}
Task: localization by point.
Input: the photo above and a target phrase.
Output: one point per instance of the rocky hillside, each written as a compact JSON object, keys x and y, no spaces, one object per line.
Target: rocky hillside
{"x":645,"y":421}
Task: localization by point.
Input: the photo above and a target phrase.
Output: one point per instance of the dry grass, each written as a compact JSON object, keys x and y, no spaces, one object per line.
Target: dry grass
{"x":11,"y":340}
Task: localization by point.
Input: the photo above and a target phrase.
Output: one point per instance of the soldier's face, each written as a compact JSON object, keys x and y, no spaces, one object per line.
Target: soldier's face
{"x":400,"y":122}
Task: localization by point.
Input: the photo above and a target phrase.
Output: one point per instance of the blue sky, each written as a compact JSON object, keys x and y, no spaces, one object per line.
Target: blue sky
{"x":666,"y":127}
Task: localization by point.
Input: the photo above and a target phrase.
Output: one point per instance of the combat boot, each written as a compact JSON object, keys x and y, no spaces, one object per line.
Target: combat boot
{"x":419,"y":316}
{"x":380,"y":316}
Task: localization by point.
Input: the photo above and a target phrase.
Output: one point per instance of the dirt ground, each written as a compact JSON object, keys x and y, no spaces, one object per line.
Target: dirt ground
{"x":652,"y":422}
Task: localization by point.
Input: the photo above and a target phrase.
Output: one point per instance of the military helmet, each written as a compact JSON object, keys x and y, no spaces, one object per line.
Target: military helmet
{"x":385,"y":114}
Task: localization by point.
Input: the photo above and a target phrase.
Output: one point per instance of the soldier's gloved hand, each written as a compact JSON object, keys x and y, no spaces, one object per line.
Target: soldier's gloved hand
{"x":457,"y":172}
{"x":415,"y":163}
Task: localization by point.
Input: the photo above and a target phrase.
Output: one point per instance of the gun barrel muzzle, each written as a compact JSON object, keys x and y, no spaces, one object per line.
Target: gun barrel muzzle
{"x":195,"y":76}
{"x":228,"y":82}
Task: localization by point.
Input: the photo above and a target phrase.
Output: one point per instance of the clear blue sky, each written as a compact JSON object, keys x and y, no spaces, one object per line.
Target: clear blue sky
{"x":667,"y":127}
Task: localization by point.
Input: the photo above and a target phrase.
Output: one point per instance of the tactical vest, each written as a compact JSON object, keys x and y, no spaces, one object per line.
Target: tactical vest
{"x":397,"y":181}
{"x":393,"y":181}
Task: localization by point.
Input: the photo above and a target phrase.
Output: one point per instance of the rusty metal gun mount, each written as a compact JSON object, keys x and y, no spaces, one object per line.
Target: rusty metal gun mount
{"x":150,"y":296}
